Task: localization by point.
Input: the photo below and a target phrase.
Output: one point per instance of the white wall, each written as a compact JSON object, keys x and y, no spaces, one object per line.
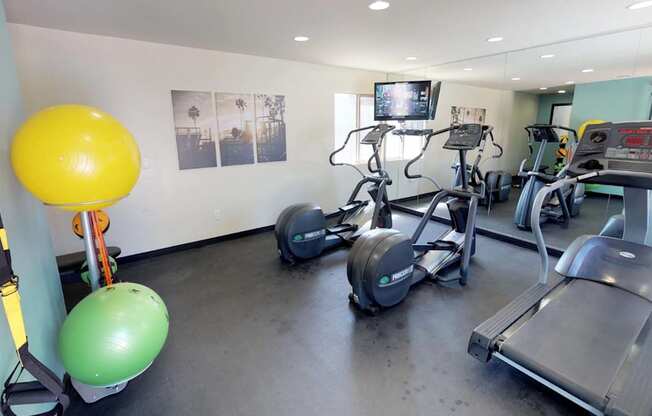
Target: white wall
{"x":132,"y":80}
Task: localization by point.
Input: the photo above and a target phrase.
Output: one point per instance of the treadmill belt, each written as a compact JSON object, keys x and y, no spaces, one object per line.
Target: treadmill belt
{"x":581,"y":338}
{"x":630,"y":395}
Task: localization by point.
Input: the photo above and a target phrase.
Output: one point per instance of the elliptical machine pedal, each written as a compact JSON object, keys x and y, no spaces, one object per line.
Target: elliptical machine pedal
{"x":352,"y":206}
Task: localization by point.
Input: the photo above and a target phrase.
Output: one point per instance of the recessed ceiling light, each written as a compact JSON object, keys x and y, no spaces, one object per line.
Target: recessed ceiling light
{"x":569,"y":82}
{"x":561,"y":92}
{"x":516,"y":79}
{"x":587,"y":70}
{"x":495,"y":39}
{"x":411,"y":58}
{"x":468,"y":69}
{"x":379,"y":5}
{"x":640,"y":5}
{"x":301,"y":38}
{"x":543,"y":88}
{"x":548,"y":56}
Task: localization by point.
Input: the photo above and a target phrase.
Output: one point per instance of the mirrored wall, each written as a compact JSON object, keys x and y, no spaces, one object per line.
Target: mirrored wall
{"x":567,"y":84}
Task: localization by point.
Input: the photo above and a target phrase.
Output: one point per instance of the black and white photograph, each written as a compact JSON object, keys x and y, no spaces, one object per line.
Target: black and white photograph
{"x":194,"y":126}
{"x":468,"y":115}
{"x":270,"y":128}
{"x":236,"y":127}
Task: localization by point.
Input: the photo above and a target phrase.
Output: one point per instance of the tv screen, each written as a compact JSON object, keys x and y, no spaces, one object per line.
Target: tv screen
{"x":405,"y":100}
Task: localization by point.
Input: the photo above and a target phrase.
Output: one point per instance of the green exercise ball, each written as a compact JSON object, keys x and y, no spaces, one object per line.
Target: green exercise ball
{"x":113,"y":334}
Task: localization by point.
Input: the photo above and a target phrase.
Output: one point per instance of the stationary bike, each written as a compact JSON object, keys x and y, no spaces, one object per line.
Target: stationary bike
{"x":566,"y":202}
{"x":384,"y":263}
{"x":301,"y":230}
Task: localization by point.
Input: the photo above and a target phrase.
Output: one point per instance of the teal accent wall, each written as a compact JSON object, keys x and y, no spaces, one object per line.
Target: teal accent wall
{"x":617,"y":100}
{"x":546,"y":102}
{"x":29,"y":237}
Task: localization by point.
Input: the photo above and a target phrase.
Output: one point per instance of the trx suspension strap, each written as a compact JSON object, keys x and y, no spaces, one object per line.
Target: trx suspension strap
{"x":47,"y":388}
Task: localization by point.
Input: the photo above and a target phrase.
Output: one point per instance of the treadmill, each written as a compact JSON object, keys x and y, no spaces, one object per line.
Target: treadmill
{"x":586,"y":331}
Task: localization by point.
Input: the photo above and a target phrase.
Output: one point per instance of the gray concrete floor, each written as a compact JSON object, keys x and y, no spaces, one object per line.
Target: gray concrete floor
{"x":594,"y":213}
{"x":250,"y":336}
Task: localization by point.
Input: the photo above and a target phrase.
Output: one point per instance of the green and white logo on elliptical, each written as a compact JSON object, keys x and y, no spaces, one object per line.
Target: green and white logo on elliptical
{"x":313,"y":235}
{"x":388,"y":280}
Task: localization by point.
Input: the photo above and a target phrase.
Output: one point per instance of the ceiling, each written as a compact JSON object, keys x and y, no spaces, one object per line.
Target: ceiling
{"x":613,"y":56}
{"x":343,"y":32}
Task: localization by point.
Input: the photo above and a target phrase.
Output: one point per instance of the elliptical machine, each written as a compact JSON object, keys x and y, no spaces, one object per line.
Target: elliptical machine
{"x":301,"y":231}
{"x":498,"y":183}
{"x":384,"y":263}
{"x":564,"y":203}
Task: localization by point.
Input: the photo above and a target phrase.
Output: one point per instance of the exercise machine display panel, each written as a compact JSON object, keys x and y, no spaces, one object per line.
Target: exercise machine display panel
{"x":622,"y":146}
{"x":541,"y":132}
{"x":465,"y":137}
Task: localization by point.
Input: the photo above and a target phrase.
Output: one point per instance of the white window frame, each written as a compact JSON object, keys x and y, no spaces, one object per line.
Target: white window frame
{"x":357,"y":159}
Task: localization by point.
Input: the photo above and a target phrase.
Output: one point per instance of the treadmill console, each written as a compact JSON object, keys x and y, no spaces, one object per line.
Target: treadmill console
{"x":465,"y":137}
{"x":376,"y":134}
{"x":615,"y":146}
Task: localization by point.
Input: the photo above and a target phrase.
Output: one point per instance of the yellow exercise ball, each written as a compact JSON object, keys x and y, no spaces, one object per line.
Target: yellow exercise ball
{"x":587,"y":123}
{"x":75,"y":157}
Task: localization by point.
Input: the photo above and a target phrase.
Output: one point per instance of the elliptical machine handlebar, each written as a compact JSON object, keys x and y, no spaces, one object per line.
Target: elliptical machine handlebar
{"x":374,"y":158}
{"x":501,"y":151}
{"x":488,"y":131}
{"x":331,"y":158}
{"x":414,"y":160}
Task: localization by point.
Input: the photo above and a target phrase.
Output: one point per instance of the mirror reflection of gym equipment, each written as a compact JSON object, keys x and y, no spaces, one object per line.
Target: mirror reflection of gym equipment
{"x":309,"y":208}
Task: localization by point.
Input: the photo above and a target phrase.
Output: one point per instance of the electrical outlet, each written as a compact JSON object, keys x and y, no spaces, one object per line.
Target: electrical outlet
{"x":217,"y":214}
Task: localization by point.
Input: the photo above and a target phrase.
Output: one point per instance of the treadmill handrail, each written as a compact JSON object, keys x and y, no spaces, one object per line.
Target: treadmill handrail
{"x":537,"y":206}
{"x":535,"y":215}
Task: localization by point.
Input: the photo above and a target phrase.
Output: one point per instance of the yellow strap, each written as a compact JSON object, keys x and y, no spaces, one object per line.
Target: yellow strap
{"x":3,"y":239}
{"x":11,"y":303}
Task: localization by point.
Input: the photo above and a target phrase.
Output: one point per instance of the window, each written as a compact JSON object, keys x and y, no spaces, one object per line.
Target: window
{"x":353,"y":111}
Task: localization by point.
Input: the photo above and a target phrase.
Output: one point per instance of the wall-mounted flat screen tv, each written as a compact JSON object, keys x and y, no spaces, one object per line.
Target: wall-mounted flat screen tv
{"x":405,"y":100}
